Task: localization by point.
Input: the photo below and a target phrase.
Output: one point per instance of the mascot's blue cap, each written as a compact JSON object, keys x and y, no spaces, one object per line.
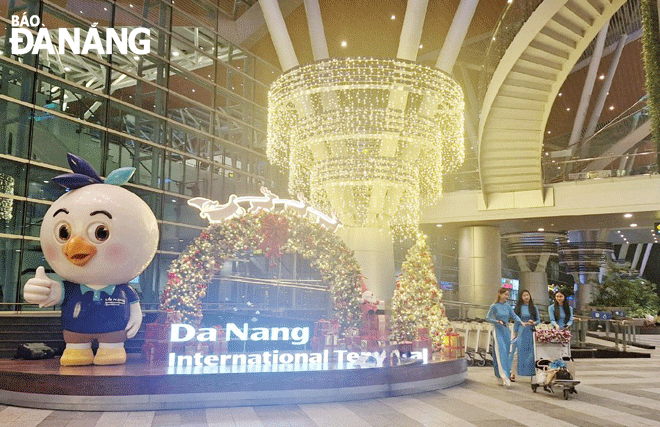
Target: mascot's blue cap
{"x":84,"y":174}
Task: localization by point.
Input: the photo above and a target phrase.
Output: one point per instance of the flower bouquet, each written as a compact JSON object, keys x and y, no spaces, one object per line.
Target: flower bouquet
{"x":561,"y":336}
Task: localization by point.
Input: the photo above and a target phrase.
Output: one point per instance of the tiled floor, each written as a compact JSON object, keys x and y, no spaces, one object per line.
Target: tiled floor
{"x":613,"y":392}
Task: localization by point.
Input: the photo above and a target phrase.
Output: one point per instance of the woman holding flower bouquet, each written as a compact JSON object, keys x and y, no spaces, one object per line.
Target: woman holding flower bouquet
{"x":561,"y":314}
{"x":499,"y":315}
{"x":524,"y":344}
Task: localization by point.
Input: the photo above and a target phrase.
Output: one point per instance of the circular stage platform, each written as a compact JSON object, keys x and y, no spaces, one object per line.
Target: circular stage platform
{"x":137,"y":385}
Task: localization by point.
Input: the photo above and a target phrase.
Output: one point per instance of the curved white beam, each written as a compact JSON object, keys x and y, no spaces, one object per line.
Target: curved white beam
{"x":605,"y":90}
{"x":411,"y":33}
{"x":316,"y":31}
{"x":588,"y":87}
{"x":456,"y":35}
{"x":279,"y":34}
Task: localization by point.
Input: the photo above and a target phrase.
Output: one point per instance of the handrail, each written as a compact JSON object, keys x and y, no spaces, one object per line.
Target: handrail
{"x":511,"y":20}
{"x":625,"y":331}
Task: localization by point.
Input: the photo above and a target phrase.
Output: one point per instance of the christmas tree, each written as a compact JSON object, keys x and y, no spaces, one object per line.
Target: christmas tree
{"x":416,"y":303}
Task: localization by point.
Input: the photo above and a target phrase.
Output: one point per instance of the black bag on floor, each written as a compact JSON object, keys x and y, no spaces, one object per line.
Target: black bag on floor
{"x":563,"y":374}
{"x":34,"y":351}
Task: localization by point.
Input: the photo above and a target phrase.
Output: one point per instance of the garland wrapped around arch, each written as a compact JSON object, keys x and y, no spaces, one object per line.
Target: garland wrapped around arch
{"x":275,"y":233}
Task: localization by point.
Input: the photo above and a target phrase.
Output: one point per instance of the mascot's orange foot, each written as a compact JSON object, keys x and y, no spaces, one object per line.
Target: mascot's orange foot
{"x":77,"y":357}
{"x":110,"y":356}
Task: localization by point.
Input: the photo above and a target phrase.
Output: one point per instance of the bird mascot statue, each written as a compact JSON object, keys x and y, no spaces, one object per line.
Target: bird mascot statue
{"x":98,"y":237}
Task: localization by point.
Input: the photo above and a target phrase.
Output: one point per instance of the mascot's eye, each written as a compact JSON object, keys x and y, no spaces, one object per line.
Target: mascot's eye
{"x":98,"y":232}
{"x":63,"y":232}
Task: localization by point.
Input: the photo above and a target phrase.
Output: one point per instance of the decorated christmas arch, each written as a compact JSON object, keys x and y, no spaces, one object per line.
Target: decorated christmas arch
{"x":275,"y":233}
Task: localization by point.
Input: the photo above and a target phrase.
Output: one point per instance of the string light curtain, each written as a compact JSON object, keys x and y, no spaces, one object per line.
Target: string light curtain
{"x":367,"y":138}
{"x":6,"y":204}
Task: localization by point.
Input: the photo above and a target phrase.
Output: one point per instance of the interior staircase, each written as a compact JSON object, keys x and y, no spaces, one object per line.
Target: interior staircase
{"x":522,"y":91}
{"x":47,"y":329}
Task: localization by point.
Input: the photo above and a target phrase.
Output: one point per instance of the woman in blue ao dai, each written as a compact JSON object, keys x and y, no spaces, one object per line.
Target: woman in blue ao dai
{"x":499,"y":315}
{"x":561,"y":314}
{"x":529,"y":315}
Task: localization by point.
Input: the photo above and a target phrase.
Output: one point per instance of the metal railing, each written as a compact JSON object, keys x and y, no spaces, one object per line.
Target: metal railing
{"x":597,"y":147}
{"x":513,"y":17}
{"x":624,"y":332}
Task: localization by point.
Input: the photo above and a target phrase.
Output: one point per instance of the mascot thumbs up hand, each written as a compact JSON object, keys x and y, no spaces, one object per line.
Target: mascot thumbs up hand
{"x":42,"y":290}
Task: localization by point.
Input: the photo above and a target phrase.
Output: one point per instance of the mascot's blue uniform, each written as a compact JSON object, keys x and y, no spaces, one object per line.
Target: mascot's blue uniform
{"x":87,"y":311}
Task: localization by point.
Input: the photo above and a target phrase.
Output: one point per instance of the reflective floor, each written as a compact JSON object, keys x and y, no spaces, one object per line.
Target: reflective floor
{"x":613,"y":392}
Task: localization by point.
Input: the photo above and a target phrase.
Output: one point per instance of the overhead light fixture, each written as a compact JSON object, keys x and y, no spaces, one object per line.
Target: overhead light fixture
{"x":438,"y":225}
{"x":343,"y":43}
{"x":559,"y":94}
{"x":568,"y":108}
{"x":541,"y":229}
{"x":348,"y":180}
{"x":633,"y":225}
{"x":611,"y":107}
{"x":393,"y":17}
{"x":628,"y":215}
{"x":602,"y":77}
{"x":421,"y":46}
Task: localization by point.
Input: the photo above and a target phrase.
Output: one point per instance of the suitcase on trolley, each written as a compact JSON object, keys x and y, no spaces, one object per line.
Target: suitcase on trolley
{"x":548,"y":354}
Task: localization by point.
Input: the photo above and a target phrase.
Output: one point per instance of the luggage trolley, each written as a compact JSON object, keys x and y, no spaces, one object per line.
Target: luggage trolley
{"x":480,"y":340}
{"x":545,"y":353}
{"x":472,"y":342}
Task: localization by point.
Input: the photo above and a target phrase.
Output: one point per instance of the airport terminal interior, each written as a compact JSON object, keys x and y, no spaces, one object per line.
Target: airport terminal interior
{"x":370,"y":173}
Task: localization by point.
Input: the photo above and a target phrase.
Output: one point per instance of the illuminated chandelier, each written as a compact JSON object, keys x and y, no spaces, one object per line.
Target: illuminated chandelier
{"x":367,"y":138}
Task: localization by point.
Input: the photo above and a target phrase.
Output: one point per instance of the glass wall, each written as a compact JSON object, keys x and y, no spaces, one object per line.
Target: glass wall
{"x":189,"y":115}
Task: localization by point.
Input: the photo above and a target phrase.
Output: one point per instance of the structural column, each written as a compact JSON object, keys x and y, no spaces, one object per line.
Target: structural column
{"x":373,"y":251}
{"x":536,"y":282}
{"x":532,"y":250}
{"x":479,"y":266}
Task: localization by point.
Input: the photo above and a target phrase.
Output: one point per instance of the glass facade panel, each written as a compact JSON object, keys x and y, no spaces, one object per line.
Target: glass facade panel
{"x":15,"y":121}
{"x":16,"y":82}
{"x":176,"y":210}
{"x":189,"y":116}
{"x":54,"y":136}
{"x":12,"y":177}
{"x":145,"y":158}
{"x":34,"y":214}
{"x":10,"y":260}
{"x":191,"y":86}
{"x":139,"y":92}
{"x":39,"y":185}
{"x":76,"y":15}
{"x":72,"y":101}
{"x":189,"y":141}
{"x":11,"y":215}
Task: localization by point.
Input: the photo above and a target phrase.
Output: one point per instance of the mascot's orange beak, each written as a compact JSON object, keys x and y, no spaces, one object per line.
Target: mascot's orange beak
{"x":79,"y":251}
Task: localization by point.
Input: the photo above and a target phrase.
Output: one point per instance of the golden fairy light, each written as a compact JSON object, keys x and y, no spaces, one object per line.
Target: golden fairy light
{"x":368,"y":138}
